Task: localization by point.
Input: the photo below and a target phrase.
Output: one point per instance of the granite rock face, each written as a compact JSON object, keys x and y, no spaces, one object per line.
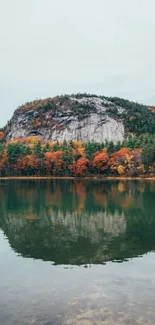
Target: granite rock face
{"x":68,"y":118}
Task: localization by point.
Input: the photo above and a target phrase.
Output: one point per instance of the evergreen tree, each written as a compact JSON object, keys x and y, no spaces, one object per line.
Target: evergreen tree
{"x":15,"y":151}
{"x":110,"y":147}
{"x":148,"y":156}
{"x":38,"y":150}
{"x":46,"y":148}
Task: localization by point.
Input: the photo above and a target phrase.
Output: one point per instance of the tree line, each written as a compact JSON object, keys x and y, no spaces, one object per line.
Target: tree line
{"x":32,"y":156}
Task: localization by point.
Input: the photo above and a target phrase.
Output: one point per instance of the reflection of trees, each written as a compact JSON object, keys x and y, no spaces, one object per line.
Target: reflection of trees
{"x":78,"y":222}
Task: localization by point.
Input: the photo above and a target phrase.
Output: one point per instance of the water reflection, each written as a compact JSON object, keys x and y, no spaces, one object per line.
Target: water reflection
{"x":78,"y":222}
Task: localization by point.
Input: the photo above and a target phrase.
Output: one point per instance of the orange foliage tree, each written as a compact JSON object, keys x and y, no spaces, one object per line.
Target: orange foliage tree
{"x":1,"y":136}
{"x":28,"y":165}
{"x":53,"y":162}
{"x":79,"y":167}
{"x":100,"y":161}
{"x":3,"y":163}
{"x":78,"y":149}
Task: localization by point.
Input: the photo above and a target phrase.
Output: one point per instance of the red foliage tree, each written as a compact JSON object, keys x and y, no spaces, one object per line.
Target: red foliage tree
{"x":79,"y":168}
{"x":1,"y":136}
{"x":100,"y":161}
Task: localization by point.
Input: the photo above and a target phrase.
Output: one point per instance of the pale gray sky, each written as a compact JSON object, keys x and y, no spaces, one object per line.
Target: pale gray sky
{"x":51,"y":47}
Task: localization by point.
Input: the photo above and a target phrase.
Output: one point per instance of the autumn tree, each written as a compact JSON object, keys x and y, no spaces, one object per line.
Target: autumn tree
{"x":126,"y":162}
{"x":54,"y":162}
{"x":78,"y":150}
{"x":80,"y":167}
{"x":100,"y":161}
{"x":28,"y":165}
{"x":2,"y":136}
{"x":4,"y":168}
{"x":118,"y":160}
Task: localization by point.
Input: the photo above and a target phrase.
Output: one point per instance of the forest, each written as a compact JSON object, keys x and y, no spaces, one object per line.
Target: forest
{"x":33,"y":156}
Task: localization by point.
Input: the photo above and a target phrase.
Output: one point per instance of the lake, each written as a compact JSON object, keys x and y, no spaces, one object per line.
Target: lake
{"x":77,"y":252}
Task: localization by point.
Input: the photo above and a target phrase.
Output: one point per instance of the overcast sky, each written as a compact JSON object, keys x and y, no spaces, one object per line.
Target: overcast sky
{"x":51,"y":47}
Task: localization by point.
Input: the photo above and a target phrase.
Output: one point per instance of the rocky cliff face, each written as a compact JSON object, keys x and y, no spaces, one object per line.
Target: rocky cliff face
{"x":84,"y":118}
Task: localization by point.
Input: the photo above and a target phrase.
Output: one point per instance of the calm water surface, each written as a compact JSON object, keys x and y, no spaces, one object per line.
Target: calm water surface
{"x":77,"y":252}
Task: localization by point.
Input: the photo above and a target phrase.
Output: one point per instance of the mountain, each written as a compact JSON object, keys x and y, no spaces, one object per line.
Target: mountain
{"x":81,"y":117}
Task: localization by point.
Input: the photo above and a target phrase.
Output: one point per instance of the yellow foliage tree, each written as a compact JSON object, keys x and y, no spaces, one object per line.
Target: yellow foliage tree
{"x":121,"y":169}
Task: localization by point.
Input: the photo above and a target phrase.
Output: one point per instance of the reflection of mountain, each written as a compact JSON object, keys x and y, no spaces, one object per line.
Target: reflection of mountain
{"x":74,"y":222}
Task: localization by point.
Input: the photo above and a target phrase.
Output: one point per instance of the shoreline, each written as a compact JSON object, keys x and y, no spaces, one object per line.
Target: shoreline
{"x":112,"y":178}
